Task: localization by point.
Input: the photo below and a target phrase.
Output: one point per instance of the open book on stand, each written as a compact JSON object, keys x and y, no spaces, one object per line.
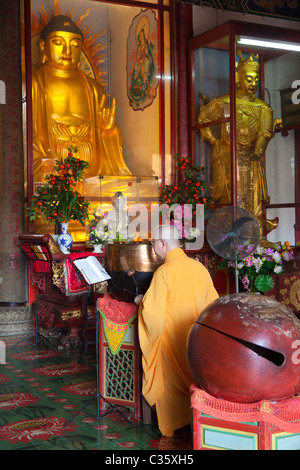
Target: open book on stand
{"x":91,"y":269}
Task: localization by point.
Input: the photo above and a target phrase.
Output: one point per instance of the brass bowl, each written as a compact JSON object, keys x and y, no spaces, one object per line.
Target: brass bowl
{"x":131,"y":267}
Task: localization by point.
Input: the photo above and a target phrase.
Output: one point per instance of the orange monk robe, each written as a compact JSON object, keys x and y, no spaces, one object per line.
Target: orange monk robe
{"x":180,"y":289}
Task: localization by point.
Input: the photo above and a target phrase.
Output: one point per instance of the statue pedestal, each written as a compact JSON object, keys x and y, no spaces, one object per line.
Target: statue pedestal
{"x":15,"y":321}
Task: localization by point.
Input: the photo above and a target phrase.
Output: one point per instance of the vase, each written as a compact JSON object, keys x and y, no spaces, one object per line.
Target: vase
{"x":98,"y":248}
{"x":65,"y":240}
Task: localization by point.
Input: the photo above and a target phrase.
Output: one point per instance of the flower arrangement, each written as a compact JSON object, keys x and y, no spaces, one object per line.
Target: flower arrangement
{"x":256,"y":270}
{"x":190,"y":192}
{"x":183,"y":222}
{"x":58,"y":200}
{"x":98,"y":231}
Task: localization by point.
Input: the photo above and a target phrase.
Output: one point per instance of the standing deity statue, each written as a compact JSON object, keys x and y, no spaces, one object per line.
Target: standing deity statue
{"x":254,"y":129}
{"x":70,"y":108}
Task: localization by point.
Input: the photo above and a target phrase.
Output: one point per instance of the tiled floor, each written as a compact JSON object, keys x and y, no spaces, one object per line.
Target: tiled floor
{"x":42,"y":389}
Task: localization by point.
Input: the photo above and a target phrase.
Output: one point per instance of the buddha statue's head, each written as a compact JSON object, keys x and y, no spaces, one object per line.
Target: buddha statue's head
{"x":247,"y":74}
{"x":61,"y":42}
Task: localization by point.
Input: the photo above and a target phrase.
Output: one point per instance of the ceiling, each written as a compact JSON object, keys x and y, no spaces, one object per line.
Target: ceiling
{"x":284,"y":9}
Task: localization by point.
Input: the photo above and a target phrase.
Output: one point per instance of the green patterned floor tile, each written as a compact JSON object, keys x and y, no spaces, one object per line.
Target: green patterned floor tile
{"x":41,"y":393}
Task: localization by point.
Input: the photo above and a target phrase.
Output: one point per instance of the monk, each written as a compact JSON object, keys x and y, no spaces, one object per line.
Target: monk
{"x":180,"y":289}
{"x":70,"y":108}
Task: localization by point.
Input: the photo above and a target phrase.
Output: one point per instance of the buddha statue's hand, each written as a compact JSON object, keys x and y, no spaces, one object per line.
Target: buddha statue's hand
{"x":107,"y":116}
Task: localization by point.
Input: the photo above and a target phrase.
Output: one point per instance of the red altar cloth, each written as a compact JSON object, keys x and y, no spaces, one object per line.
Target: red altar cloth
{"x":284,"y":414}
{"x":75,"y":283}
{"x":116,"y":316}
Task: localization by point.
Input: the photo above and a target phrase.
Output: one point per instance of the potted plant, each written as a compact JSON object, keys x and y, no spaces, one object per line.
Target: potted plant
{"x":256,"y":271}
{"x":58,"y":201}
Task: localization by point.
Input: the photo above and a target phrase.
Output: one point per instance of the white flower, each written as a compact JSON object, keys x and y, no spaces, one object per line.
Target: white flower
{"x":258,"y":262}
{"x":194,"y":232}
{"x":101,"y":234}
{"x":287,"y":256}
{"x":278,"y":269}
{"x":276,"y":256}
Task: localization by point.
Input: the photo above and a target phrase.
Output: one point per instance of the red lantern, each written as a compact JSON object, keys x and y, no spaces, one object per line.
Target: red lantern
{"x":243,"y":348}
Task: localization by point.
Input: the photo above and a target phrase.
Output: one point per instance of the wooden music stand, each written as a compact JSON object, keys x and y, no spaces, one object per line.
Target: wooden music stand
{"x":36,"y":248}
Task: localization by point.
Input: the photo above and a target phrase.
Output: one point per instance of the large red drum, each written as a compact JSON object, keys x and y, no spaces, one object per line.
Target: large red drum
{"x":245,"y":348}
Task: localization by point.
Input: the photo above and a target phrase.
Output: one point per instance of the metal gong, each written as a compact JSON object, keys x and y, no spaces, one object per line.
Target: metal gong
{"x":131,"y":267}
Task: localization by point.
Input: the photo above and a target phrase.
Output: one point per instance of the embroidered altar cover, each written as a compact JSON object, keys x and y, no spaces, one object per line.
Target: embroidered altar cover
{"x":284,"y":414}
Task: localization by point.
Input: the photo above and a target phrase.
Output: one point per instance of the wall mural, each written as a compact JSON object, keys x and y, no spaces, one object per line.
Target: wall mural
{"x":142,"y":60}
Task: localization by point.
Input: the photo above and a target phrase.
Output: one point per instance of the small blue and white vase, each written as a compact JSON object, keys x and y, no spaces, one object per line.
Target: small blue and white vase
{"x":65,"y":240}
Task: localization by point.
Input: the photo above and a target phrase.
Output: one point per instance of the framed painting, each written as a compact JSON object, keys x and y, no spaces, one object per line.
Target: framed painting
{"x":142,"y":60}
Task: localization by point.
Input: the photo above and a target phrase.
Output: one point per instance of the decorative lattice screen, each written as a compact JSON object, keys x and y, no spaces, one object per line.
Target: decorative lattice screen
{"x":119,"y":375}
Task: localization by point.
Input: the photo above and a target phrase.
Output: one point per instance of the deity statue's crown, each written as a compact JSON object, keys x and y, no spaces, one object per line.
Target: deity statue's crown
{"x":249,"y":64}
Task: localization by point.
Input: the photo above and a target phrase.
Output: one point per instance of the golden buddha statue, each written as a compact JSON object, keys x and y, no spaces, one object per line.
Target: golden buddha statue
{"x":254,"y":129}
{"x":70,"y":108}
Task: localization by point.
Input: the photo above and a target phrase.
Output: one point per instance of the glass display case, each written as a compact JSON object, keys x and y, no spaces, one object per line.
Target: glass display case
{"x":245,"y":122}
{"x":122,"y":206}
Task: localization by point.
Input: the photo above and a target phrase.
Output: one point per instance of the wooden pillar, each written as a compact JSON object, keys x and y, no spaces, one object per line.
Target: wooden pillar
{"x":297,"y":184}
{"x":12,"y":263}
{"x":185,"y":32}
